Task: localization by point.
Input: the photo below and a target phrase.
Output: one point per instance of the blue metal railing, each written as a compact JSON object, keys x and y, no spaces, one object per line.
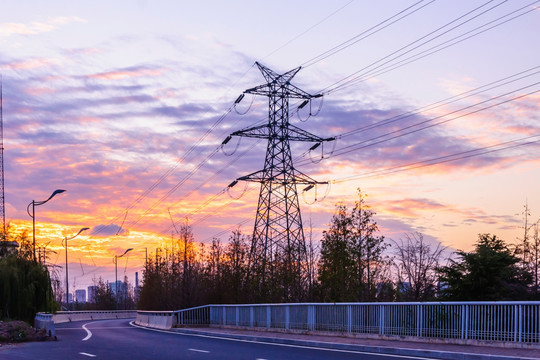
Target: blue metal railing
{"x":484,"y":321}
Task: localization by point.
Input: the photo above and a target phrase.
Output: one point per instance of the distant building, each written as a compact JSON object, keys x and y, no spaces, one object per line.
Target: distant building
{"x":118,"y":286}
{"x":70,"y":298}
{"x":80,"y":295}
{"x":92,"y":293}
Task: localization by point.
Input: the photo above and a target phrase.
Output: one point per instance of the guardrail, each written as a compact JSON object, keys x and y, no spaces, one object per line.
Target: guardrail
{"x":516,"y":322}
{"x":67,"y":316}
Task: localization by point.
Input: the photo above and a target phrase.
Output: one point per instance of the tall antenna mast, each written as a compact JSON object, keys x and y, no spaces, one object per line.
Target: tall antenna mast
{"x":2,"y":198}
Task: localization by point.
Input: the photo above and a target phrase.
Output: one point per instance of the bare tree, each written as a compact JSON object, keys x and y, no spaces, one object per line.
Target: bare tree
{"x":312,"y":259}
{"x":416,"y":263}
{"x":535,"y":257}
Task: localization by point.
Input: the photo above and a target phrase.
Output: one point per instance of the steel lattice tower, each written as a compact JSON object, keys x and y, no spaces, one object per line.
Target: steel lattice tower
{"x":278,"y":243}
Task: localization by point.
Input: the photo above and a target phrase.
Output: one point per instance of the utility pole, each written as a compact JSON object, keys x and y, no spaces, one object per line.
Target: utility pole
{"x":278,"y":242}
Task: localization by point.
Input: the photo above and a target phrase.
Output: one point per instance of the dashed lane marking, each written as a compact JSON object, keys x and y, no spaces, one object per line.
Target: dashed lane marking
{"x":199,"y":350}
{"x":87,"y":354}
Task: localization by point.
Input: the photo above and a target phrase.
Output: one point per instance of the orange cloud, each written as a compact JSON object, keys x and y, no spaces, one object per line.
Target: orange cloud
{"x":409,"y":207}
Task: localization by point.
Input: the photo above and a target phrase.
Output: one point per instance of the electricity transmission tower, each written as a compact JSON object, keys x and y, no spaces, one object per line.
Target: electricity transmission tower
{"x":278,"y":252}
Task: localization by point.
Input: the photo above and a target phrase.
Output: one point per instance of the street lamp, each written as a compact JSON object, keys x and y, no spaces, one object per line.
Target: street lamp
{"x":115,"y":260}
{"x":33,"y":215}
{"x":65,"y":243}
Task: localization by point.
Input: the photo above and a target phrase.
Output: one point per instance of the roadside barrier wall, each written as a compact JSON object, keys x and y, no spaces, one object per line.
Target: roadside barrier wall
{"x":46,"y":321}
{"x":163,"y":320}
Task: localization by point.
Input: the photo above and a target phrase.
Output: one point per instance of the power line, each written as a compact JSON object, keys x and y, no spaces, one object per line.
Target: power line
{"x":446,"y":158}
{"x":309,"y":29}
{"x":365,"y":143}
{"x":444,"y":102}
{"x":333,"y":87}
{"x":447,"y":101}
{"x":365,"y":34}
{"x":432,"y":50}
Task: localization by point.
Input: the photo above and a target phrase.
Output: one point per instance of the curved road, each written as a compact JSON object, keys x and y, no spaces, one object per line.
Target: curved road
{"x":120,"y":340}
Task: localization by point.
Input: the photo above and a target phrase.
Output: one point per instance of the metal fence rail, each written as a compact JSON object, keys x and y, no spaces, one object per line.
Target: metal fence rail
{"x":484,"y":321}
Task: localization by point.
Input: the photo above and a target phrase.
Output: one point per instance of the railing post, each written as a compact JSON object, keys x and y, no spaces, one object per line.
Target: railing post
{"x":349,"y":319}
{"x":381,"y":319}
{"x":465,"y":321}
{"x":419,"y":320}
{"x":224,"y":317}
{"x":251,"y":316}
{"x":517,"y":323}
{"x":268,"y":317}
{"x":237,"y":320}
{"x":520,"y":323}
{"x":287,"y":316}
{"x":311,"y":317}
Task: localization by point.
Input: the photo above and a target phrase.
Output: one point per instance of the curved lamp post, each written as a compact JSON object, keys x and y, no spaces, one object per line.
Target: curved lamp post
{"x":65,"y":243}
{"x":115,"y":260}
{"x":33,"y":215}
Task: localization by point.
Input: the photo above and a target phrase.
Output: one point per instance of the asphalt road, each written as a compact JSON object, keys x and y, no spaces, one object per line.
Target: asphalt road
{"x":118,"y":340}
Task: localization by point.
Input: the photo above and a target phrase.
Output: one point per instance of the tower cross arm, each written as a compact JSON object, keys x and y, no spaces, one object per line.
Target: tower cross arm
{"x":298,"y":178}
{"x":287,"y":89}
{"x":259,"y":132}
{"x":298,"y":134}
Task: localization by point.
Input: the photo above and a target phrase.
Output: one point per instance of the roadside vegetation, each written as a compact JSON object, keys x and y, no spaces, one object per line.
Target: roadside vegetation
{"x":353,"y":263}
{"x":24,"y":290}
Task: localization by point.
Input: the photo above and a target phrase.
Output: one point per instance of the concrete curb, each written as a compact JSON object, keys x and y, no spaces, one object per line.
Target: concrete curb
{"x":434,"y":354}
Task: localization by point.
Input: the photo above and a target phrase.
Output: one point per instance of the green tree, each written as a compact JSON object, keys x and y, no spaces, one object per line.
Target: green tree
{"x":336,"y":264}
{"x":489,"y":272}
{"x":24,"y":284}
{"x":104,"y":297}
{"x":352,"y":256}
{"x":367,"y":250}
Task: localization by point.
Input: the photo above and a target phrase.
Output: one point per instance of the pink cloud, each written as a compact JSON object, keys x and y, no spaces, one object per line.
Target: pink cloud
{"x":123,"y":74}
{"x":31,"y":64}
{"x":35,"y":28}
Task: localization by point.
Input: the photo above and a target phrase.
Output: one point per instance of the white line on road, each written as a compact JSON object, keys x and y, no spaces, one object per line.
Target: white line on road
{"x":88,"y":333}
{"x":132,"y":323}
{"x":87,"y":354}
{"x":198,"y":350}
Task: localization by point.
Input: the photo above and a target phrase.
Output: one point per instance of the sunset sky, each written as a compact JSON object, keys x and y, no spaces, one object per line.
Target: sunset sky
{"x":125,"y":104}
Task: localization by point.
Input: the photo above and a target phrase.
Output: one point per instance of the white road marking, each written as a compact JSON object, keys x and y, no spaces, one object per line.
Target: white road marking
{"x":87,"y":354}
{"x":132,"y":323}
{"x":198,"y":350}
{"x":88,"y":333}
{"x":96,"y":328}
